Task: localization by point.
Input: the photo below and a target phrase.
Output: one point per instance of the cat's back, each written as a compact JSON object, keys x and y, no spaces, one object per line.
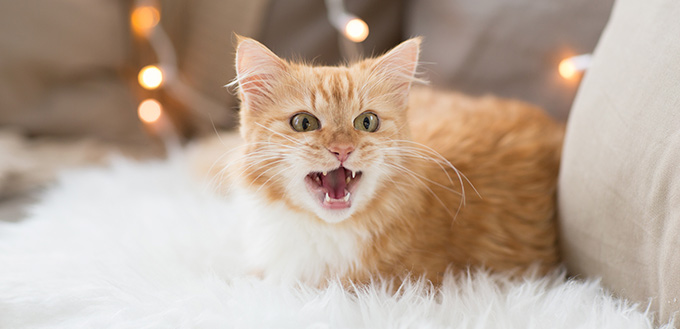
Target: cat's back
{"x":509,"y":151}
{"x":449,"y":121}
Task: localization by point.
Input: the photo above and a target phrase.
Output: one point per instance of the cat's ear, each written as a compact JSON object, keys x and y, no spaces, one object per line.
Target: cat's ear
{"x":399,"y":65}
{"x":257,"y":69}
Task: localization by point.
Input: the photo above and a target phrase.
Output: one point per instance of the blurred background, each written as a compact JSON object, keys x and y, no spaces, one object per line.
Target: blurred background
{"x":70,"y":67}
{"x":81,"y":77}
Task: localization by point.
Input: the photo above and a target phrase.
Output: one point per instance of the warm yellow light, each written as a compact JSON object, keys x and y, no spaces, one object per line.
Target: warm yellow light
{"x":144,"y":18}
{"x":570,"y":67}
{"x":567,"y":69}
{"x":356,"y":30}
{"x":150,"y":77}
{"x":149,"y":110}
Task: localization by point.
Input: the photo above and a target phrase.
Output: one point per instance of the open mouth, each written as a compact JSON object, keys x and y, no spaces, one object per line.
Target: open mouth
{"x":334,"y":188}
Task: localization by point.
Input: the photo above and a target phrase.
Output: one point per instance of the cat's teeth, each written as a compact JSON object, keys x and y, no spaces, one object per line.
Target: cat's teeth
{"x":325,"y":173}
{"x":347,"y":180}
{"x":327,"y":198}
{"x":354,"y":174}
{"x":346,"y":198}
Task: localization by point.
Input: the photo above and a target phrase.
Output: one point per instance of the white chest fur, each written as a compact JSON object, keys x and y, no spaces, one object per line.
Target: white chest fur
{"x":285,"y":245}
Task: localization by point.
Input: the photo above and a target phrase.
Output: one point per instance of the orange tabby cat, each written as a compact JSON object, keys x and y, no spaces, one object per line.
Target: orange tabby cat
{"x":349,"y":172}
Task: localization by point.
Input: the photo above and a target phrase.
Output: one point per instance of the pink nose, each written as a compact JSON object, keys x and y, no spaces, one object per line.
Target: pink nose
{"x":341,"y":151}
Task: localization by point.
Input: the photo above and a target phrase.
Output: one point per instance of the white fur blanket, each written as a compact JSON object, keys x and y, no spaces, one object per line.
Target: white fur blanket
{"x":145,"y":246}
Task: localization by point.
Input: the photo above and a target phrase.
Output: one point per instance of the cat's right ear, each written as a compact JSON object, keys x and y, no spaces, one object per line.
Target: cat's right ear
{"x":257,"y":68}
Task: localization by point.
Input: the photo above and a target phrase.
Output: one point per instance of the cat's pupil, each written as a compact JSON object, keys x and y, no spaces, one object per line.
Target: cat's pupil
{"x":367,"y":123}
{"x":305,"y":123}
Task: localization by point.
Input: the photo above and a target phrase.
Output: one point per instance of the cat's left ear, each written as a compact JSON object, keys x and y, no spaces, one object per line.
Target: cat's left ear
{"x":399,"y":65}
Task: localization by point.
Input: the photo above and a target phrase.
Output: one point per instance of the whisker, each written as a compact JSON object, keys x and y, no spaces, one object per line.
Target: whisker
{"x":269,"y":152}
{"x":277,"y":176}
{"x":272,"y":164}
{"x":405,"y":169}
{"x":279,"y":134}
{"x":410,"y":173}
{"x":444,"y":160}
{"x":440,"y":159}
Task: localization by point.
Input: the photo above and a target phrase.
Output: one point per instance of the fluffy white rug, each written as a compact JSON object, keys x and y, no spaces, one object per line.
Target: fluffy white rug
{"x":145,"y":246}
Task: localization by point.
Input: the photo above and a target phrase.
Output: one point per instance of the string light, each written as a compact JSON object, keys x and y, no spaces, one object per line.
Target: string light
{"x":352,"y":27}
{"x":149,"y":110}
{"x":356,"y":30}
{"x":144,"y":18}
{"x":150,"y":77}
{"x":569,"y":67}
{"x":145,"y":21}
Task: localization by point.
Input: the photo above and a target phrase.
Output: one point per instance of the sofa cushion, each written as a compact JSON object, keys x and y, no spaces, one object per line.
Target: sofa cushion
{"x":619,"y":187}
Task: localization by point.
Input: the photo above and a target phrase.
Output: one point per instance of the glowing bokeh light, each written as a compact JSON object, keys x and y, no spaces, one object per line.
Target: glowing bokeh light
{"x":356,"y":30}
{"x":150,"y":77}
{"x":567,"y":69}
{"x":570,"y":67}
{"x":144,"y":18}
{"x":149,"y":110}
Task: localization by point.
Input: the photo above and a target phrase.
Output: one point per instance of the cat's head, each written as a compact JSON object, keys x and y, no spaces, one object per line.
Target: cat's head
{"x":324,"y":139}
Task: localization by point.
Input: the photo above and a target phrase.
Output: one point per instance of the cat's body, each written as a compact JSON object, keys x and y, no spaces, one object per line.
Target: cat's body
{"x":331,"y":193}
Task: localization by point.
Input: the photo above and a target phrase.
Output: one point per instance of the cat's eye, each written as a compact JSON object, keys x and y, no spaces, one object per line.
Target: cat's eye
{"x":367,"y":121}
{"x":304,"y":122}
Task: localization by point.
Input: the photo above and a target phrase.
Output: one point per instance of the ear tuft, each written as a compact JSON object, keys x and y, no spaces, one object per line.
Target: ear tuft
{"x":399,"y":64}
{"x":257,"y":68}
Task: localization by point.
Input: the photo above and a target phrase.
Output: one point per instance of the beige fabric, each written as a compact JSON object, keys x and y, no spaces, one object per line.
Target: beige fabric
{"x":60,"y":63}
{"x":68,"y":67}
{"x":300,"y":29}
{"x":202,"y":32}
{"x":508,"y":48}
{"x":619,"y":194}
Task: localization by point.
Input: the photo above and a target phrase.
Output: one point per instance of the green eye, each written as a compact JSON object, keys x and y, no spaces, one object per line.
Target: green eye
{"x":304,"y":122}
{"x":367,"y":121}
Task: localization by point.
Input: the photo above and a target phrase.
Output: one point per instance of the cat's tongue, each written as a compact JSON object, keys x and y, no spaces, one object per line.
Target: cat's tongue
{"x":335,"y":183}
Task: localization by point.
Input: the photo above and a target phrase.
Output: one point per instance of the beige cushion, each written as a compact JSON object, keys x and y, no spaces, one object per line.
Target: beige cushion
{"x":619,"y":193}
